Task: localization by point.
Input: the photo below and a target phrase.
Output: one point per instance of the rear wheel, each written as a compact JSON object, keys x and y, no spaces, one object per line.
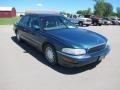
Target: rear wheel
{"x":18,"y":36}
{"x":95,"y":24}
{"x":87,"y":25}
{"x":105,"y":23}
{"x":50,"y":54}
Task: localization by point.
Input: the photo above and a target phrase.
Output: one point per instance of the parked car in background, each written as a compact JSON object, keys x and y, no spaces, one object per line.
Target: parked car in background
{"x":95,"y":20}
{"x":119,"y":21}
{"x":60,"y":40}
{"x":80,"y":20}
{"x":114,"y":21}
{"x":106,"y":21}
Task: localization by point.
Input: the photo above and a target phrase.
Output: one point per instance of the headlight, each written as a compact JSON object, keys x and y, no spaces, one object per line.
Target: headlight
{"x":74,"y":51}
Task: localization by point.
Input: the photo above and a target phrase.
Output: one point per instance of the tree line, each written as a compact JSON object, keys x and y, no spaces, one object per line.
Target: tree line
{"x":101,"y":9}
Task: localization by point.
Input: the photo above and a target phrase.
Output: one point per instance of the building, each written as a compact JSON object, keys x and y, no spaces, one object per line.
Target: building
{"x":7,"y":12}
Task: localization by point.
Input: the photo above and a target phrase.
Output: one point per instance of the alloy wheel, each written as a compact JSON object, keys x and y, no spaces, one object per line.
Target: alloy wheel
{"x":50,"y":55}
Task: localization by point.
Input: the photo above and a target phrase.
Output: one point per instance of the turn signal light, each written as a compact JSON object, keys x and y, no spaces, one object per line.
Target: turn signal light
{"x":69,"y":60}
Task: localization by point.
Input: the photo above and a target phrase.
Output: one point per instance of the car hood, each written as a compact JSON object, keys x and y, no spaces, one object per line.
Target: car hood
{"x":84,"y":18}
{"x":78,"y":38}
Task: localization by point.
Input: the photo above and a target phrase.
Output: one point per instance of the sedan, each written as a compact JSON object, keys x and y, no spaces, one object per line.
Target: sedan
{"x":60,"y":40}
{"x":106,"y":21}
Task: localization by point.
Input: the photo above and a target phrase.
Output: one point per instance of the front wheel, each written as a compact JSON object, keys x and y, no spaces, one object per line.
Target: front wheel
{"x":50,"y":54}
{"x":80,"y":23}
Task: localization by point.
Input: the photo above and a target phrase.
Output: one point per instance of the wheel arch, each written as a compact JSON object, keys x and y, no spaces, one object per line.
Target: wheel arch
{"x":47,"y":43}
{"x":80,"y":22}
{"x":53,"y":47}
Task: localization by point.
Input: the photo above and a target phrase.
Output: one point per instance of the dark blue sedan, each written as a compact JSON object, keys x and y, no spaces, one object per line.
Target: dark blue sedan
{"x":60,"y":40}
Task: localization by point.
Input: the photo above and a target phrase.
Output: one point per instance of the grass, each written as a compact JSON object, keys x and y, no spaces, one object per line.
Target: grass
{"x":8,"y":21}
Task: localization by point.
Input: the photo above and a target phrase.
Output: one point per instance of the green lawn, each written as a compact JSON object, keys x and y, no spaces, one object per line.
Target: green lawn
{"x":8,"y":21}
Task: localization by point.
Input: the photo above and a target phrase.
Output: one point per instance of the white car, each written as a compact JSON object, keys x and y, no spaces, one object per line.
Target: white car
{"x":80,"y":20}
{"x":119,"y":21}
{"x":106,"y":21}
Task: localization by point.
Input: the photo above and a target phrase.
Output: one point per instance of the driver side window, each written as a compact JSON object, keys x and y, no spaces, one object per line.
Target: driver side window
{"x":24,"y":20}
{"x":34,"y":23}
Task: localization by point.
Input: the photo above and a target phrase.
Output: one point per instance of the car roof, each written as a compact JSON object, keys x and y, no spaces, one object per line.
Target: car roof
{"x":45,"y":14}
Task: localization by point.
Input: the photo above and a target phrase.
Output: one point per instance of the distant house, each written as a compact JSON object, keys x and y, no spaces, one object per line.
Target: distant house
{"x":7,"y":12}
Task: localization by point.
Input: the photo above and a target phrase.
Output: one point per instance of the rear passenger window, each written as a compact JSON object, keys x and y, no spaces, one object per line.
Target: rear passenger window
{"x":24,"y":21}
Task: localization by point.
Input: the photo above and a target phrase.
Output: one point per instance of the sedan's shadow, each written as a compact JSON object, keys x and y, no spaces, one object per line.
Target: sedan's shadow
{"x":40,"y":57}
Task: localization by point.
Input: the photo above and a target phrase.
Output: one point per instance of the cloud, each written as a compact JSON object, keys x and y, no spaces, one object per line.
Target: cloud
{"x":39,"y":4}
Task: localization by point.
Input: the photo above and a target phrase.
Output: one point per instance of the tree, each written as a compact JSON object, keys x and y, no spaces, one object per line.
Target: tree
{"x":89,"y":11}
{"x":68,"y":14}
{"x":108,"y":9}
{"x":103,"y":8}
{"x":118,"y":11}
{"x":99,"y":7}
{"x":63,"y":12}
{"x":84,"y":12}
{"x":114,"y":14}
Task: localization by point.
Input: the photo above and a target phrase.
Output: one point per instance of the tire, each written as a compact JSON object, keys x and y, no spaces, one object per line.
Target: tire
{"x":95,"y":24}
{"x":50,"y":54}
{"x":105,"y":23}
{"x":80,"y":23}
{"x":18,"y":36}
{"x":87,"y":25}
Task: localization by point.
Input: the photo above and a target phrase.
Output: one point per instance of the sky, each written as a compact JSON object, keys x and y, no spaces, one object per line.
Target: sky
{"x":70,"y":6}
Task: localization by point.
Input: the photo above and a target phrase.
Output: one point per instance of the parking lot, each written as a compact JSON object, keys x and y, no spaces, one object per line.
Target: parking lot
{"x":24,"y":68}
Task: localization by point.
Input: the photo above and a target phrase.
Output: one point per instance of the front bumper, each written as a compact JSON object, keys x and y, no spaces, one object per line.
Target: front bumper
{"x":83,"y":59}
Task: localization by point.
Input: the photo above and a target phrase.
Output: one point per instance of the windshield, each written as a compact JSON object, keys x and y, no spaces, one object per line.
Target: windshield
{"x":81,"y":16}
{"x":56,"y":22}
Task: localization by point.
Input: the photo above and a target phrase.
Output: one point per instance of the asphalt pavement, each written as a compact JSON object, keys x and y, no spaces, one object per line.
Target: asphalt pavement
{"x":22,"y":67}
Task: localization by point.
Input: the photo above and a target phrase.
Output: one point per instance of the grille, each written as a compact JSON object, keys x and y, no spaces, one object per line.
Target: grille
{"x":88,"y":20}
{"x":96,"y":49}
